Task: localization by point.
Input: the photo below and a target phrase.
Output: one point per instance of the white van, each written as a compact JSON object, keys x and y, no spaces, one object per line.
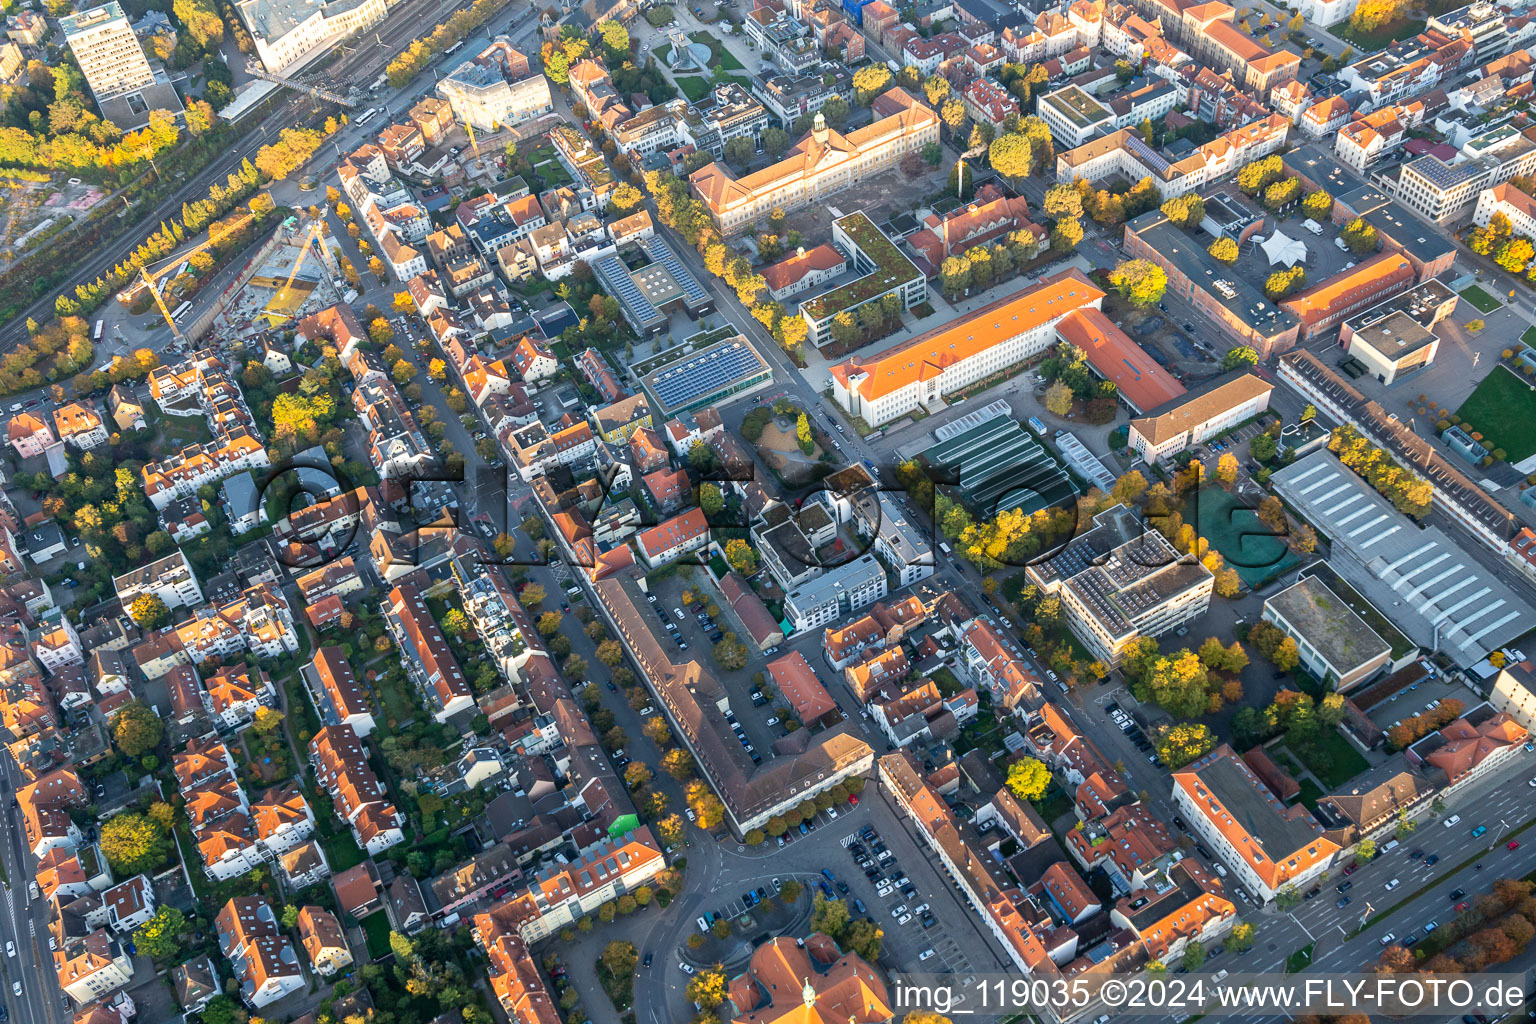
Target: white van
{"x":1312,"y":226}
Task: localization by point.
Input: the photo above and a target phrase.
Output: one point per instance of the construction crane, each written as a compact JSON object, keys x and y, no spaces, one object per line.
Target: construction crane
{"x":311,"y":237}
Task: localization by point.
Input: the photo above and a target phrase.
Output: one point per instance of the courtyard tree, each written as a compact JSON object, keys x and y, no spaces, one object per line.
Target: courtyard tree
{"x":136,"y":729}
{"x":1223,"y":250}
{"x":1028,"y":778}
{"x":1140,"y":282}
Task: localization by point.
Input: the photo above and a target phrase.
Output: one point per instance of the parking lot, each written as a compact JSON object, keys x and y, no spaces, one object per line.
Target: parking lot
{"x":1416,"y":699}
{"x":694,"y":633}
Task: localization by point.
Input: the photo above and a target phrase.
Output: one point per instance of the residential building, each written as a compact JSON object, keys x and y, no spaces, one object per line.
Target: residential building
{"x":804,"y":269}
{"x":171,"y":579}
{"x":833,"y":594}
{"x":1120,"y":581}
{"x":342,"y":769}
{"x":323,"y":940}
{"x":90,"y":966}
{"x":29,"y":435}
{"x":266,"y":966}
{"x":1074,"y":116}
{"x":1264,"y":844}
{"x":338,"y":697}
{"x":674,"y":538}
{"x":425,"y":653}
{"x":112,"y":60}
{"x":1123,"y":153}
{"x":484,"y":97}
{"x":79,"y":424}
{"x":1518,"y":207}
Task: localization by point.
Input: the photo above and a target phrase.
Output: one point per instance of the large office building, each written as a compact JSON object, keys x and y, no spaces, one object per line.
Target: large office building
{"x":289,"y":32}
{"x":919,"y":372}
{"x":1122,"y":580}
{"x":107,"y":51}
{"x":1191,"y":418}
{"x":707,"y":377}
{"x":823,"y":163}
{"x":1235,"y":305}
{"x":883,"y":270}
{"x":112,"y":60}
{"x":1397,"y":337}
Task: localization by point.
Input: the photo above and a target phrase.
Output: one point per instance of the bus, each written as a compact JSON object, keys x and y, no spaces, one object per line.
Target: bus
{"x":181,"y":311}
{"x":100,"y":324}
{"x":454,"y":48}
{"x":367,"y":115}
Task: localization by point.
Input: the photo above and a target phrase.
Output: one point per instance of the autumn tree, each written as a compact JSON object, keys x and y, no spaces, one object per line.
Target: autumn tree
{"x":1183,"y":742}
{"x":1067,"y":234}
{"x":133,"y":843}
{"x":1058,"y":398}
{"x":1223,"y":250}
{"x":160,"y":936}
{"x":149,"y":612}
{"x":1028,"y":778}
{"x":1140,"y":282}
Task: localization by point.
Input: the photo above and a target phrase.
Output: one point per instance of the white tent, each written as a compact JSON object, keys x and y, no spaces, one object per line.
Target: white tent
{"x":1281,"y":249}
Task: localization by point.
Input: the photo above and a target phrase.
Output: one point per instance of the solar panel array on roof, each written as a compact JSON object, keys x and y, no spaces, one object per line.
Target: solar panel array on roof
{"x":658,"y":250}
{"x":681,"y":383}
{"x":616,"y":281}
{"x":1148,"y":156}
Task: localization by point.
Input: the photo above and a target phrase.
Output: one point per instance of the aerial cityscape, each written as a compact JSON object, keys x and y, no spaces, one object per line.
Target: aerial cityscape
{"x":767,"y":512}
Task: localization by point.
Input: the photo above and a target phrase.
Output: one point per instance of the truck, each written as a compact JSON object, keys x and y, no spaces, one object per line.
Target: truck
{"x":350,"y":297}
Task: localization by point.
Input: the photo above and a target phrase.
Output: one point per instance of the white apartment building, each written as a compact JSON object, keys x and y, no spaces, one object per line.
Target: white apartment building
{"x":1328,"y":12}
{"x":1168,"y":430}
{"x":171,"y":579}
{"x":835,"y":593}
{"x":482,"y":97}
{"x":107,"y":51}
{"x":1512,"y":203}
{"x":1442,"y":191}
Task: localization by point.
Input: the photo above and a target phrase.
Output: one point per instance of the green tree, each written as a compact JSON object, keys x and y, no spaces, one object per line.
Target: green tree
{"x":803,"y":434}
{"x":1365,"y":850}
{"x":137,"y":730}
{"x":710,"y":499}
{"x":1239,"y":355}
{"x":133,"y":843}
{"x":1184,"y":742}
{"x":1194,"y":955}
{"x":830,"y":917}
{"x":1063,"y":201}
{"x":403,"y":948}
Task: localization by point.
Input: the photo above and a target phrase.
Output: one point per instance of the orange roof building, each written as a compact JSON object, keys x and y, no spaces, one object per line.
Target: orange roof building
{"x":797,"y":681}
{"x":1265,"y":844}
{"x":1114,"y":356}
{"x":804,"y":269}
{"x":1365,"y":284}
{"x":807,"y":982}
{"x":918,"y":372}
{"x":821,"y":164}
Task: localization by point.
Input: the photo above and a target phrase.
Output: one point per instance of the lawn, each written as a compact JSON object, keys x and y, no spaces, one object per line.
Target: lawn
{"x":1484,"y":302}
{"x":1528,"y":336}
{"x":1346,"y":760}
{"x":342,"y":851}
{"x":376,"y":929}
{"x":1503,"y":408}
{"x":1234,"y":530}
{"x":1309,"y":795}
{"x":1299,"y":960}
{"x":695,"y":87}
{"x":720,"y":57}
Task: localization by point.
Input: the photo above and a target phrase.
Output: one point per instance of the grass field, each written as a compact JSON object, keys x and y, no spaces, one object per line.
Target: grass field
{"x":722,"y":57}
{"x":1528,"y":336}
{"x":376,"y":929}
{"x":693,"y":86}
{"x":1484,"y":302}
{"x":1235,"y":531}
{"x":1347,"y":762}
{"x":1503,"y":408}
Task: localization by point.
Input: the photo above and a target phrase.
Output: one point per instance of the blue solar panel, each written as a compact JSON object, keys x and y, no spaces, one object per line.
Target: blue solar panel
{"x":1146,"y":154}
{"x":615,"y":278}
{"x":706,"y":372}
{"x":660,"y":252}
